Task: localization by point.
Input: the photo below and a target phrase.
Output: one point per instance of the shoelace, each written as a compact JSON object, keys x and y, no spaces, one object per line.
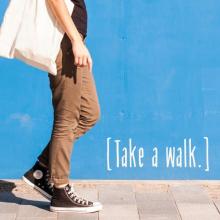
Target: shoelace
{"x":49,"y":184}
{"x":75,"y":197}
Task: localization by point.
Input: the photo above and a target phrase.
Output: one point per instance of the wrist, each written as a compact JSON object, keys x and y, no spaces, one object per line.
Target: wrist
{"x":75,"y":39}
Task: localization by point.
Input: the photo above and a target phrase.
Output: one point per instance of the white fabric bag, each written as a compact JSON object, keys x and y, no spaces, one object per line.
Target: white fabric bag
{"x":30,"y":32}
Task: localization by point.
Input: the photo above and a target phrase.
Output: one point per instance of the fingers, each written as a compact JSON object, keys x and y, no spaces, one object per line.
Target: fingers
{"x":90,"y":64}
{"x":84,"y":61}
{"x":76,"y":61}
{"x":81,"y":61}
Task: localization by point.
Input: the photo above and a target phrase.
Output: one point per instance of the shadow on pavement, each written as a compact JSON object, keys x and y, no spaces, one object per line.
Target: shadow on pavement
{"x":7,"y":196}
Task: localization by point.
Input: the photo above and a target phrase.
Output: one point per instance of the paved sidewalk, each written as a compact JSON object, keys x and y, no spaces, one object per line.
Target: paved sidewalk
{"x":122,"y":200}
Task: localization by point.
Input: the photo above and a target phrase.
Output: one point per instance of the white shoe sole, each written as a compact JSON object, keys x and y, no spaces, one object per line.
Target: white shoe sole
{"x":95,"y":208}
{"x":46,"y":195}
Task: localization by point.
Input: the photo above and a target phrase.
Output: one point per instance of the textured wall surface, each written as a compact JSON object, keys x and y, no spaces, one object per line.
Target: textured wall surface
{"x":157,"y":72}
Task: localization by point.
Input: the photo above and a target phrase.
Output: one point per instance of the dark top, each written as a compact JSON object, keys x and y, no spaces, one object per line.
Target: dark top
{"x":79,"y":16}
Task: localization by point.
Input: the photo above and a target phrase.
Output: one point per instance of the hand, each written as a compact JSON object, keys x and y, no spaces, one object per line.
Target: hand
{"x":81,"y":54}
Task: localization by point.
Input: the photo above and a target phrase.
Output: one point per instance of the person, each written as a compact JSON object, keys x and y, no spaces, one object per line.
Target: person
{"x":76,"y":110}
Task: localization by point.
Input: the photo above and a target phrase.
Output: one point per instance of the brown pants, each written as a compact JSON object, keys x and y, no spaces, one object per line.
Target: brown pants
{"x":76,"y":110}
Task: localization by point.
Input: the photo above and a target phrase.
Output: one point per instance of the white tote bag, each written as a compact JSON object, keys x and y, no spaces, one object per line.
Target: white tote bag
{"x":30,"y":32}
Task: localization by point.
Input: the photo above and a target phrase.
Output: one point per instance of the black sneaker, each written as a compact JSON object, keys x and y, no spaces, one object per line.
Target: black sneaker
{"x":38,"y":178}
{"x":65,"y":200}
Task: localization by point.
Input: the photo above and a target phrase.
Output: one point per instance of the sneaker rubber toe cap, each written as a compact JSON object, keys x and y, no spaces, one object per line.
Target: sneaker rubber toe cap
{"x":98,"y":204}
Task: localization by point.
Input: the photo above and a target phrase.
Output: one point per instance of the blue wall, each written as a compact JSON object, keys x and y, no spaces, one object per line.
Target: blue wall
{"x":157,"y":72}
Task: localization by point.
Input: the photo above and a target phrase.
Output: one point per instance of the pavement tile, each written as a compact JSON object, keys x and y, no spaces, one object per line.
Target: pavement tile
{"x":118,"y":202}
{"x":156,"y":217}
{"x":193,"y":202}
{"x":190,"y":193}
{"x":7,"y":216}
{"x":116,"y":194}
{"x":78,"y":216}
{"x":35,"y":218}
{"x":201,"y":211}
{"x":154,"y":205}
{"x":118,"y":212}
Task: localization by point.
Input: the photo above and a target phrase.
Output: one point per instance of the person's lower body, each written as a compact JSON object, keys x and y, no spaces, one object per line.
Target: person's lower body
{"x":76,"y":110}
